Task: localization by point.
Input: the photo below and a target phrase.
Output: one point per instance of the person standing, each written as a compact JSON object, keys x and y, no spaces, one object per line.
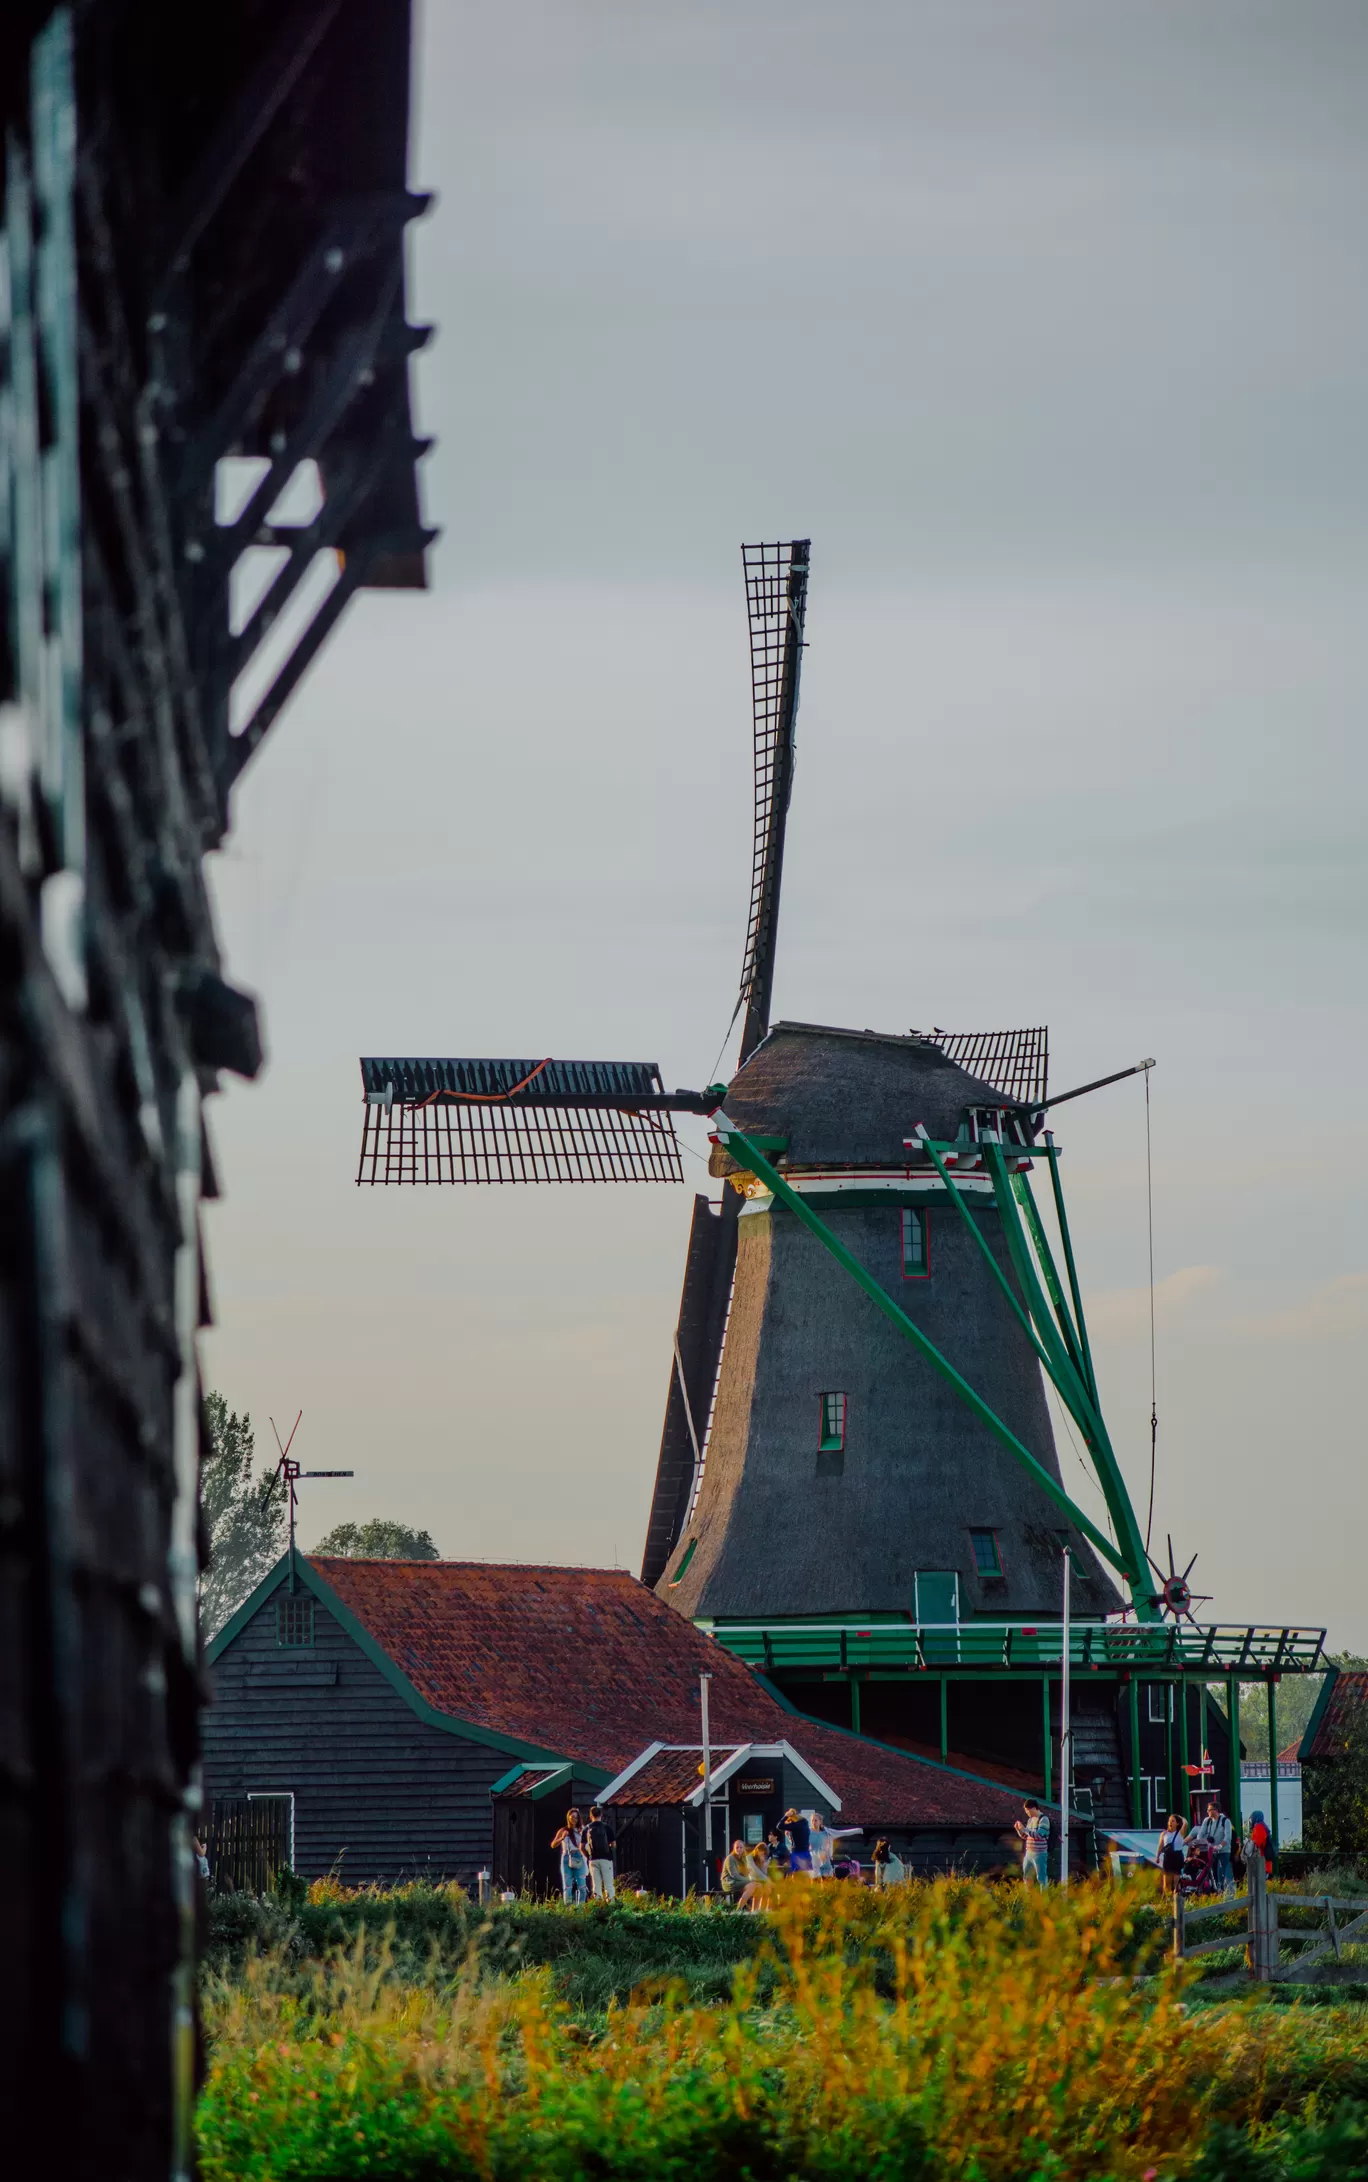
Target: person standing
{"x":1171,"y":1853}
{"x":574,"y":1864}
{"x":1219,"y":1835}
{"x":821,"y":1846}
{"x":1034,"y":1835}
{"x":1259,"y":1842}
{"x":797,"y":1835}
{"x":599,"y":1849}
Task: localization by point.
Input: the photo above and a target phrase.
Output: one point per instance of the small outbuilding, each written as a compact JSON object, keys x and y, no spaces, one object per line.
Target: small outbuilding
{"x":393,"y":1719}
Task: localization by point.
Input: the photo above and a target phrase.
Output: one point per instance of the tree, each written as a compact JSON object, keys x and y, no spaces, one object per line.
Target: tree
{"x":1335,"y":1786}
{"x":245,"y":1519}
{"x":1297,"y":1698}
{"x":378,"y":1540}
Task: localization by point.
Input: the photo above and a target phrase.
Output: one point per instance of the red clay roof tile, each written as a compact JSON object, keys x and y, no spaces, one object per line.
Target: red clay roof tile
{"x":588,"y":1663}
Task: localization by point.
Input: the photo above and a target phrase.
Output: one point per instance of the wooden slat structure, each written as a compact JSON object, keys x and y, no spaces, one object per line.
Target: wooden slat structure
{"x":201,"y":265}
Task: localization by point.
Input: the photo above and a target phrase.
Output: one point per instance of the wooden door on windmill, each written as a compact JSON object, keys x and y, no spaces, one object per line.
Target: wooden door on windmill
{"x":937,"y":1612}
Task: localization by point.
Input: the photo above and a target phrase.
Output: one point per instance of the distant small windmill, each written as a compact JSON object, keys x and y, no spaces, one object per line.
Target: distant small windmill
{"x":810,"y":1462}
{"x":289,"y":1473}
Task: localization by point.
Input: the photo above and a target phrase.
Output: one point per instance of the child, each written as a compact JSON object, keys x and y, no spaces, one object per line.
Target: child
{"x":1035,"y":1845}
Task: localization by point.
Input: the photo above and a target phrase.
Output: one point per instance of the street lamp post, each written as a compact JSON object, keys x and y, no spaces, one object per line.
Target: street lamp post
{"x":703,"y":1681}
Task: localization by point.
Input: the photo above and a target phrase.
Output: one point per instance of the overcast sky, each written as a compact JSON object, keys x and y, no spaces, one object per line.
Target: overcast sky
{"x":1047,"y":323}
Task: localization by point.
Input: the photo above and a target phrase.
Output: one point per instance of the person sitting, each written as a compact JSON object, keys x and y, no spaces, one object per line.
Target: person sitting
{"x":736,"y":1874}
{"x":756,"y":1893}
{"x":889,"y":1868}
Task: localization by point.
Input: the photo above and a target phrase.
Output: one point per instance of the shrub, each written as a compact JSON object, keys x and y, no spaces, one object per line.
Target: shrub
{"x":939,"y":2030}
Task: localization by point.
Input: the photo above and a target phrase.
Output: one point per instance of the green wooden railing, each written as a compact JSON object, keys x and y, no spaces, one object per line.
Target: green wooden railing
{"x":1172,"y":1647}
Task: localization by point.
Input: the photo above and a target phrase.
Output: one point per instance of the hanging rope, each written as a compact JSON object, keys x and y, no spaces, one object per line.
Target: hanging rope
{"x":487,"y":1098}
{"x":1154,"y":1413}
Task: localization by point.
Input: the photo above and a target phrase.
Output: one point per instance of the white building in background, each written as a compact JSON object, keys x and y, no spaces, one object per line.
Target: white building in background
{"x":1255,"y":1793}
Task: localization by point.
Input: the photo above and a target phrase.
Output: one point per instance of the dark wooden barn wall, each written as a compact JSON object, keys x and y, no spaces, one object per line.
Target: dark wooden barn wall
{"x":378,"y":1792}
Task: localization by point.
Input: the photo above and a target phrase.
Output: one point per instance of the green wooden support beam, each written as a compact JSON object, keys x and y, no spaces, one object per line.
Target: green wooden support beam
{"x":1060,"y":1368}
{"x":1273,"y":1760}
{"x":1170,"y":1785}
{"x":1080,"y":1322}
{"x":749,"y":1156}
{"x":1066,"y":1380}
{"x":1233,"y":1810}
{"x":1184,"y":1777}
{"x":1048,"y":1767}
{"x":1021,"y":1190}
{"x":1046,"y":1744}
{"x":1137,"y":1816}
{"x":1134,"y":1560}
{"x":1210,"y":1785}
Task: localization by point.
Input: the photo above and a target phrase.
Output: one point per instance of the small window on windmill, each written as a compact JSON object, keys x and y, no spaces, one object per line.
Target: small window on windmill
{"x":916,"y":1244}
{"x":986,"y":1124}
{"x":1160,"y":1701}
{"x":987,"y":1556}
{"x":294,"y":1620}
{"x":833,"y":1425}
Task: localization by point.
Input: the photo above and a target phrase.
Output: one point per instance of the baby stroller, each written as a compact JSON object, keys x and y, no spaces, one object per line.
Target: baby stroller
{"x":1198,"y":1875}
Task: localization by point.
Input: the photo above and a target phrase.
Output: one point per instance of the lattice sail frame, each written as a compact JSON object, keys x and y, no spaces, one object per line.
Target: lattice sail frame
{"x":1015,"y":1062}
{"x":776,"y":604}
{"x":472,"y":1121}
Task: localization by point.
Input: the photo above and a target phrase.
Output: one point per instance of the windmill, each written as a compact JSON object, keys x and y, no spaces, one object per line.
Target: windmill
{"x":856,"y":1418}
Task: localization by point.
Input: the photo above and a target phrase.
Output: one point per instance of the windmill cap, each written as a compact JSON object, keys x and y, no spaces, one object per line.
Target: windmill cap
{"x":848,"y":1096}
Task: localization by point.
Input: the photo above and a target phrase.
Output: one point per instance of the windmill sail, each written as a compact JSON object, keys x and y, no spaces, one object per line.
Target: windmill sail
{"x":776,"y":601}
{"x":1014,"y":1062}
{"x":776,"y":606}
{"x":518,"y":1121}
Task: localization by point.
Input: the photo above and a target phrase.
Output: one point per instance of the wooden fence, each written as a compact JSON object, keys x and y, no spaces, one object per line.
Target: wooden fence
{"x":1258,"y":1912}
{"x":248,"y":1842}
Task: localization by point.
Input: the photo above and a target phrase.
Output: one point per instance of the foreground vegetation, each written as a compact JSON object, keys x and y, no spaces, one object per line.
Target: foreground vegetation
{"x":944,"y":2030}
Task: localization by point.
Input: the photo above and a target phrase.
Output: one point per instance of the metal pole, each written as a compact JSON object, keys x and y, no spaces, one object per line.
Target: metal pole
{"x":1233,"y":1717}
{"x":703,"y":1681}
{"x":1065,"y":1738}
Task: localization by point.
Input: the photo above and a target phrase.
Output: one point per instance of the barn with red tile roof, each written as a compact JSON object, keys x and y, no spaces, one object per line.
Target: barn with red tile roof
{"x":394,"y":1702}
